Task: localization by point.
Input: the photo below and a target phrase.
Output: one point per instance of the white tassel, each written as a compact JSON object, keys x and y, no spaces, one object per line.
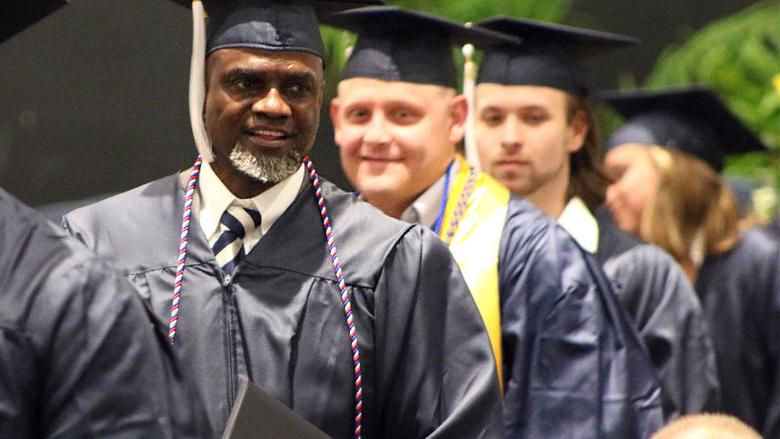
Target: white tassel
{"x":469,"y":86}
{"x":198,"y":82}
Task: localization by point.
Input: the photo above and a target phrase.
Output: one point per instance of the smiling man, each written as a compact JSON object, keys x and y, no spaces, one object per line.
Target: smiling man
{"x":572,"y":364}
{"x":360,"y":323}
{"x":270,"y":147}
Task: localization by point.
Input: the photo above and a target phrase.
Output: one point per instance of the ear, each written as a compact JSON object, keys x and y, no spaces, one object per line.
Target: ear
{"x":578,"y":130}
{"x":322,"y":93}
{"x":335,"y":105}
{"x":458,"y":112}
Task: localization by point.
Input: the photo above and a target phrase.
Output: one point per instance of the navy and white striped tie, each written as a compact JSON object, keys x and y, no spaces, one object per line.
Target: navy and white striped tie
{"x":236,"y":223}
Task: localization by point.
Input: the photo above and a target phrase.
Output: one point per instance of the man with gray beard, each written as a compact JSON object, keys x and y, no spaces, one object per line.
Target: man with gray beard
{"x":360,"y":323}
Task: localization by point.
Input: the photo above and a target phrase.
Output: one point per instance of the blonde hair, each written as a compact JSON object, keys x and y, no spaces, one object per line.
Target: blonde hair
{"x":707,"y":426}
{"x":694,"y":214}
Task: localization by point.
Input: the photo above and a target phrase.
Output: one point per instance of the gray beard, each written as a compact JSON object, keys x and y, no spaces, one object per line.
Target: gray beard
{"x":265,"y":169}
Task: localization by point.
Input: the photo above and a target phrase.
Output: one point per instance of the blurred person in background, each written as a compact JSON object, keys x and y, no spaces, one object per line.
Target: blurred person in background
{"x":664,"y":162}
{"x":743,"y":190}
{"x":535,"y":133}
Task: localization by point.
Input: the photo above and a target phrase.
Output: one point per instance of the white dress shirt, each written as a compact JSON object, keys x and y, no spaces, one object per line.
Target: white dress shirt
{"x":425,"y":209}
{"x":581,"y":224}
{"x":215,"y":197}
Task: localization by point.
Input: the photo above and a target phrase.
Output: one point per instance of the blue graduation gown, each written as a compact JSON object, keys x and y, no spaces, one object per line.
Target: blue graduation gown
{"x":665,"y":308}
{"x":79,"y":355}
{"x":740,"y":292}
{"x":428,"y":369}
{"x":574,"y":365}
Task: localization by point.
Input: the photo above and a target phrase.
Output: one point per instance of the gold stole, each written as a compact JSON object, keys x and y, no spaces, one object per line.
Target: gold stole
{"x":476,"y":241}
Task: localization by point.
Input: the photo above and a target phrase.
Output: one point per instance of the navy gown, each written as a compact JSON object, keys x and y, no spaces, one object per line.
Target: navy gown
{"x":664,"y":306}
{"x":574,"y":366}
{"x":79,"y":355}
{"x":428,"y":368}
{"x":741,"y":297}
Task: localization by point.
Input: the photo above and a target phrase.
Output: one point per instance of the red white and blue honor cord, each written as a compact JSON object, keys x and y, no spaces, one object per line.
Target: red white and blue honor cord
{"x":184,"y":239}
{"x":345,"y":299}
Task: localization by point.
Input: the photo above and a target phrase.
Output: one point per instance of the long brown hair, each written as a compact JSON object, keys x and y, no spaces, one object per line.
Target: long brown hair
{"x":586,"y":177}
{"x":692,"y":207}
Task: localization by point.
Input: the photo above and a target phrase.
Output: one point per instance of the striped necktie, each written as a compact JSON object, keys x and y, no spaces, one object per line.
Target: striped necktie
{"x":234,"y":225}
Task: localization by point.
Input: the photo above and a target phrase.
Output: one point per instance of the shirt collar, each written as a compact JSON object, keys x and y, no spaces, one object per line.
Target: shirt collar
{"x":425,"y":209}
{"x":581,"y":224}
{"x":215,"y":197}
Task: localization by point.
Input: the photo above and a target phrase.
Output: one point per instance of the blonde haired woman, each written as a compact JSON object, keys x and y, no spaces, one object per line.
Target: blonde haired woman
{"x":672,"y":196}
{"x":691,"y":212}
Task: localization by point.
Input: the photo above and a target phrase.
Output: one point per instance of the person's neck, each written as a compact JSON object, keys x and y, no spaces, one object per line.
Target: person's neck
{"x":690,"y":269}
{"x":390,"y":205}
{"x":239,"y":184}
{"x":550,"y":199}
{"x":389,"y":202}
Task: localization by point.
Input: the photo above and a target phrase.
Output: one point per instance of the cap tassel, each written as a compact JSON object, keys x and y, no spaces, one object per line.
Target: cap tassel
{"x":197,"y":82}
{"x":776,"y":82}
{"x":469,"y":85}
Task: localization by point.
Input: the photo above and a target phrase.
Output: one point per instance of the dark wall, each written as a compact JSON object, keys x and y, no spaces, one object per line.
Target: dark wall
{"x":94,"y":98}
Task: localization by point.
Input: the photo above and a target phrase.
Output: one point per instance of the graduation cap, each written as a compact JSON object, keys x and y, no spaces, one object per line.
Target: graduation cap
{"x":550,"y":55}
{"x":691,"y":119}
{"x":270,"y":24}
{"x":396,"y":44}
{"x":274,"y":25}
{"x":20,"y":15}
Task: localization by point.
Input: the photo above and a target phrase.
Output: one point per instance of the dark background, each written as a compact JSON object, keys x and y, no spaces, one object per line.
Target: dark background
{"x":94,"y":98}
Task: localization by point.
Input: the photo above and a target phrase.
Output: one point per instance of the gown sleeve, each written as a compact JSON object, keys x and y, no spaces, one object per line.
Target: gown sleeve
{"x":573,"y":364}
{"x":84,"y":359}
{"x":435,"y":365}
{"x":670,"y":320}
{"x":739,"y":292}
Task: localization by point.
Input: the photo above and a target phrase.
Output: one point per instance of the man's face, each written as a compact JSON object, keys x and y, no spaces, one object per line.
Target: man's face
{"x":262,"y":111}
{"x":636,"y":180}
{"x":523,"y":135}
{"x":396,"y":138}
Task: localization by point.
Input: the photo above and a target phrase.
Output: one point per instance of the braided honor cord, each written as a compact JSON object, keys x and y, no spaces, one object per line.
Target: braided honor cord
{"x":460,"y":208}
{"x":345,"y":300}
{"x":444,"y":199}
{"x":183,"y":241}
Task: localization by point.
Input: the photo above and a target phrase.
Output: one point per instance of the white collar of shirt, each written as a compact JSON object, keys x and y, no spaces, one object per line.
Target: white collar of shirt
{"x":215,"y":197}
{"x":581,"y":224}
{"x":425,"y":209}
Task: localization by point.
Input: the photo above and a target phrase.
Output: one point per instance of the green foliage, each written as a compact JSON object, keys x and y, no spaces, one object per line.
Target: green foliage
{"x":738,"y":56}
{"x":337,"y":42}
{"x":470,"y":10}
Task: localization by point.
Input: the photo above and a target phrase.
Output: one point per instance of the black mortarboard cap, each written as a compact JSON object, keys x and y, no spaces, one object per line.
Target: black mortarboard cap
{"x":396,"y":44}
{"x":270,"y":24}
{"x":19,"y":15}
{"x":691,"y":119}
{"x":550,"y":55}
